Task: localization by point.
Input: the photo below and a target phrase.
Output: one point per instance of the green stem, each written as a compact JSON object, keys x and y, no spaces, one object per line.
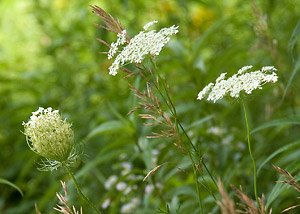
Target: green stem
{"x":198,"y":188}
{"x":172,"y":108}
{"x":250,"y":152}
{"x":199,"y":156}
{"x":78,"y":189}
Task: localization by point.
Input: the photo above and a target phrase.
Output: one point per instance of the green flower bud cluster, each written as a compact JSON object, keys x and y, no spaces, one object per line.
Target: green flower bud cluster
{"x":49,"y":135}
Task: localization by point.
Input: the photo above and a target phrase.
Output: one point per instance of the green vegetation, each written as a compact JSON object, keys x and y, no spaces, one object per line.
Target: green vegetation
{"x":49,"y":57}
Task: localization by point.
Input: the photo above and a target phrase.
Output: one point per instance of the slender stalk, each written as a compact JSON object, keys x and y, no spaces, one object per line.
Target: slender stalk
{"x":250,"y":151}
{"x":173,"y":111}
{"x":90,"y":203}
{"x":198,"y":189}
{"x":172,"y":108}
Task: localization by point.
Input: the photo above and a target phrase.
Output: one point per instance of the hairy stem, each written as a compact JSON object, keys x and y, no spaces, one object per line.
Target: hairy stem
{"x":250,"y":151}
{"x":88,"y":201}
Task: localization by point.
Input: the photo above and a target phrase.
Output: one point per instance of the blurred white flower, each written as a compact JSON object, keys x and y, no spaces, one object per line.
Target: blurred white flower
{"x":155,"y":152}
{"x":127,"y":167}
{"x":241,"y":145}
{"x":110,"y":181}
{"x":128,"y":208}
{"x":154,"y":160}
{"x":105,"y":203}
{"x":121,"y":186}
{"x":144,"y":43}
{"x":242,"y":81}
{"x":227,"y":140}
{"x":216,"y":131}
{"x":159,"y":185}
{"x":127,"y":190}
{"x":149,"y":188}
{"x":136,"y":200}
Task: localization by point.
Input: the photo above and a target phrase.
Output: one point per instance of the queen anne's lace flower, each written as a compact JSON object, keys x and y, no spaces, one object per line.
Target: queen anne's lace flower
{"x":50,"y":136}
{"x":242,"y":81}
{"x":144,"y":43}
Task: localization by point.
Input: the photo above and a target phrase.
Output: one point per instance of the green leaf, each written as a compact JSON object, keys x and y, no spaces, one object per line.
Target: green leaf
{"x":279,"y":122}
{"x":4,"y":181}
{"x":295,"y":70}
{"x":198,"y":123}
{"x":294,"y":38}
{"x":108,"y":126}
{"x":282,"y":149}
{"x":279,"y":187}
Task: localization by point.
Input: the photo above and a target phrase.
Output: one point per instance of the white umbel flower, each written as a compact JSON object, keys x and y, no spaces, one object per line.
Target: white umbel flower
{"x":242,"y":81}
{"x":144,"y":43}
{"x":50,"y":136}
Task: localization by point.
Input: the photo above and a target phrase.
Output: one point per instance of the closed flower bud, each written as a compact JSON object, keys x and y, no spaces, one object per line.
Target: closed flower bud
{"x":49,"y":135}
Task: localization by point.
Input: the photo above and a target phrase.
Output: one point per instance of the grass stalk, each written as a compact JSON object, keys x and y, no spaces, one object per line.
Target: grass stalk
{"x":172,"y":108}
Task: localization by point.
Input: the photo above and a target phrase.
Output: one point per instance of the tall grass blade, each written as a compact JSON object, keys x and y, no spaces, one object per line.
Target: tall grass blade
{"x":4,"y":181}
{"x":295,"y":70}
{"x":274,"y":154}
{"x":279,"y":122}
{"x":294,"y":38}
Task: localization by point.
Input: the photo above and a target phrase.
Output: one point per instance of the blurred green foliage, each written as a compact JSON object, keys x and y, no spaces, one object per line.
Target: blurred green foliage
{"x":49,"y":57}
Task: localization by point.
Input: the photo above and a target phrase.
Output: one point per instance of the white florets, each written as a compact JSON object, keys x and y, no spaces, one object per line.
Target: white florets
{"x":144,"y":43}
{"x":148,"y":25}
{"x":242,"y":81}
{"x":115,"y":45}
{"x":129,"y":207}
{"x":110,"y":182}
{"x":49,"y":135}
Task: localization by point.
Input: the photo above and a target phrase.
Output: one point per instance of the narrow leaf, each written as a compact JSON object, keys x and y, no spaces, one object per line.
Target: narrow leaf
{"x":294,"y":37}
{"x":108,"y":126}
{"x":279,"y":122}
{"x":4,"y":181}
{"x":274,"y":154}
{"x":295,"y":70}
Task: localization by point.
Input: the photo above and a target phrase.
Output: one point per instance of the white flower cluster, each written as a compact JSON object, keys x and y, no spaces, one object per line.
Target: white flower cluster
{"x":242,"y":81}
{"x":129,"y":207}
{"x":110,"y":182}
{"x":49,"y":136}
{"x":144,"y":43}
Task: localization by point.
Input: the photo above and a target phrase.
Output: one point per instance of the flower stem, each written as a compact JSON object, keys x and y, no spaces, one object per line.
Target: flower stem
{"x":79,"y":191}
{"x":250,"y":151}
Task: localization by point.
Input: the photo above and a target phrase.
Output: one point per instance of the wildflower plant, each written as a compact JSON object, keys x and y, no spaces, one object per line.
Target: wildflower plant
{"x":50,"y":136}
{"x":242,"y":82}
{"x":142,"y":51}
